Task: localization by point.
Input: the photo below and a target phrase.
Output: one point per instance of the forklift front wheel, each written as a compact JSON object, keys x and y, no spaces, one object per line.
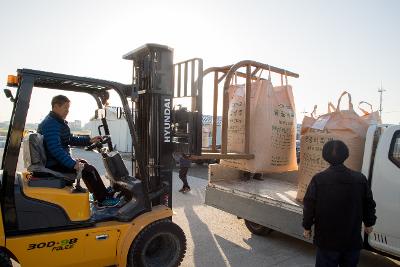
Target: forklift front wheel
{"x":256,"y":228}
{"x":162,"y":243}
{"x":5,"y":259}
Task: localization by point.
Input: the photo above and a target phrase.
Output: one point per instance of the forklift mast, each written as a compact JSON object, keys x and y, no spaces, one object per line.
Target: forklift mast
{"x":152,"y":80}
{"x":162,"y":126}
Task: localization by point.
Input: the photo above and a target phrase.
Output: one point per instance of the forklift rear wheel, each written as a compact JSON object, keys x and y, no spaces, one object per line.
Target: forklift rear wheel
{"x":5,"y":259}
{"x":256,"y":228}
{"x":162,"y":243}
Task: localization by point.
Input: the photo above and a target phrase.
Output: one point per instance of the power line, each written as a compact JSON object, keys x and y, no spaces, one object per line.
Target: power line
{"x":393,"y":111}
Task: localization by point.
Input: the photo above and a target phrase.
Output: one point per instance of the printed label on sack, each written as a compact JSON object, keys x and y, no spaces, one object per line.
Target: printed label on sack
{"x":282,"y":134}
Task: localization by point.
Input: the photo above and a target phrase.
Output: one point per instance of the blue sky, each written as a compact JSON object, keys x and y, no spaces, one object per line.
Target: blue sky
{"x":333,"y":45}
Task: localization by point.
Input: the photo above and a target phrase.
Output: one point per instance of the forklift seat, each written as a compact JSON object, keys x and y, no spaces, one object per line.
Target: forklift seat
{"x":35,"y":161}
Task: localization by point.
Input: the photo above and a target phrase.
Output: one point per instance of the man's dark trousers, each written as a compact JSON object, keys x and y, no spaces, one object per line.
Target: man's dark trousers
{"x":90,"y":177}
{"x":183,"y":176}
{"x":330,"y":258}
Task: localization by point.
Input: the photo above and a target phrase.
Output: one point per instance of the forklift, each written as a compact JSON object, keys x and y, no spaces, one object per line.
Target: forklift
{"x":46,"y":221}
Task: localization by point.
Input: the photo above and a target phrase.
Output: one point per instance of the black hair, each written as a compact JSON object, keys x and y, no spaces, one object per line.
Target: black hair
{"x":335,"y":152}
{"x":59,"y":100}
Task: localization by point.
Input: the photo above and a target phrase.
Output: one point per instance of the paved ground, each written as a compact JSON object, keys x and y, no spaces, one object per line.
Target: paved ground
{"x":215,"y":238}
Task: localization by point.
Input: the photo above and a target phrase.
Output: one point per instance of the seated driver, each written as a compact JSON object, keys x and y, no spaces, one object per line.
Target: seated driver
{"x":57,"y":138}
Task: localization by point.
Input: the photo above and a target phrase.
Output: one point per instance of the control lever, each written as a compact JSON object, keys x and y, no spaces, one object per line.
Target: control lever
{"x":77,"y":187}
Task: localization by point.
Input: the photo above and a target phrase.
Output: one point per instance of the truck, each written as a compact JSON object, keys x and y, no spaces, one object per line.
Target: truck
{"x":271,"y":204}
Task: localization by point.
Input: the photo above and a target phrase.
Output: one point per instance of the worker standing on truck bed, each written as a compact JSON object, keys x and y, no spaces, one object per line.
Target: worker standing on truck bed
{"x":337,"y":201}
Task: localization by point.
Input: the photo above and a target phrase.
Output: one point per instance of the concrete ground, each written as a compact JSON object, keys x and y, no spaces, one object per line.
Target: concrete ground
{"x":216,"y":238}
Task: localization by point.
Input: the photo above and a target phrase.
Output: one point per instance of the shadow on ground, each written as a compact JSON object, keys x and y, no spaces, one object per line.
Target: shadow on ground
{"x":204,"y":242}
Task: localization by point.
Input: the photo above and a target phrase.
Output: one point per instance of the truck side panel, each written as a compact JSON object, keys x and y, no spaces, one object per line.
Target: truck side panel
{"x":274,"y":217}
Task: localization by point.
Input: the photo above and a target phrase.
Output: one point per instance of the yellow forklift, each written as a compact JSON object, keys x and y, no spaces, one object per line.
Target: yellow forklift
{"x":45,"y":222}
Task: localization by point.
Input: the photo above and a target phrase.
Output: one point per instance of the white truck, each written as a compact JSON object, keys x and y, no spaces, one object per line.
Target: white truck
{"x":270,"y":204}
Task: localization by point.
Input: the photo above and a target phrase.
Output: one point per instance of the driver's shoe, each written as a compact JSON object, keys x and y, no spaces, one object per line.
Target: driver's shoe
{"x":109,"y":202}
{"x":110,"y":191}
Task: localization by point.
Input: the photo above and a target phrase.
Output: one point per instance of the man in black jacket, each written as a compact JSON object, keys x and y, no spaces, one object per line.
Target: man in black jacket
{"x":338,"y":200}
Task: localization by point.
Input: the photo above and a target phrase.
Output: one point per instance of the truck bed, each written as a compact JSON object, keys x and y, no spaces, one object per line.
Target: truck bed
{"x":272,"y":190}
{"x":271,"y":202}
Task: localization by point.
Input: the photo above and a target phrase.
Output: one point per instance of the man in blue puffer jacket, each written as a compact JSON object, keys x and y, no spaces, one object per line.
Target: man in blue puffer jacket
{"x":57,"y":139}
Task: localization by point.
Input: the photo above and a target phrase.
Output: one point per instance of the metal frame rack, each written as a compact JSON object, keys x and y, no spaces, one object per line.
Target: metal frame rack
{"x":225,"y":74}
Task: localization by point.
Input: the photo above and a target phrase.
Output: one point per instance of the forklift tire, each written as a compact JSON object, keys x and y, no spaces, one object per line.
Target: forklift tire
{"x":161,"y":243}
{"x":256,"y":228}
{"x":5,"y":259}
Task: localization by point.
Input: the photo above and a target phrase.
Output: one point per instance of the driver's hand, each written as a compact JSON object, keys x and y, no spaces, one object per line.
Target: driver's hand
{"x":307,"y":234}
{"x":96,"y":139}
{"x":368,"y":230}
{"x":79,"y":166}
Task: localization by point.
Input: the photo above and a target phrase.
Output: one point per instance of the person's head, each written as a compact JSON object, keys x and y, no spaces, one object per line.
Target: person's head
{"x":60,"y":105}
{"x":335,"y":152}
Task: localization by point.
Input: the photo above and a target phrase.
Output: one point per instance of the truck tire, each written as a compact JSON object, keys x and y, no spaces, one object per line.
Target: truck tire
{"x":256,"y":228}
{"x":5,"y":259}
{"x":161,"y":243}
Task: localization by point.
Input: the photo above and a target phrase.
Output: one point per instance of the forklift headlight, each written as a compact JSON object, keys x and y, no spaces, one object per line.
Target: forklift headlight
{"x":12,"y":80}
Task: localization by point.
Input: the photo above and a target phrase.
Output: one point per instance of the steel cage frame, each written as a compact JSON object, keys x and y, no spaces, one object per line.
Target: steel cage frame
{"x":228,"y":73}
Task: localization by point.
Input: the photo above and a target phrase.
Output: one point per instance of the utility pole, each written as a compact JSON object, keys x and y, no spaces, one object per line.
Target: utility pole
{"x":304,"y":112}
{"x":380,"y":90}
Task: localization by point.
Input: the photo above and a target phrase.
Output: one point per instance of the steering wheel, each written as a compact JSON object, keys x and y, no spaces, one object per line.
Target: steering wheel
{"x":99,"y":144}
